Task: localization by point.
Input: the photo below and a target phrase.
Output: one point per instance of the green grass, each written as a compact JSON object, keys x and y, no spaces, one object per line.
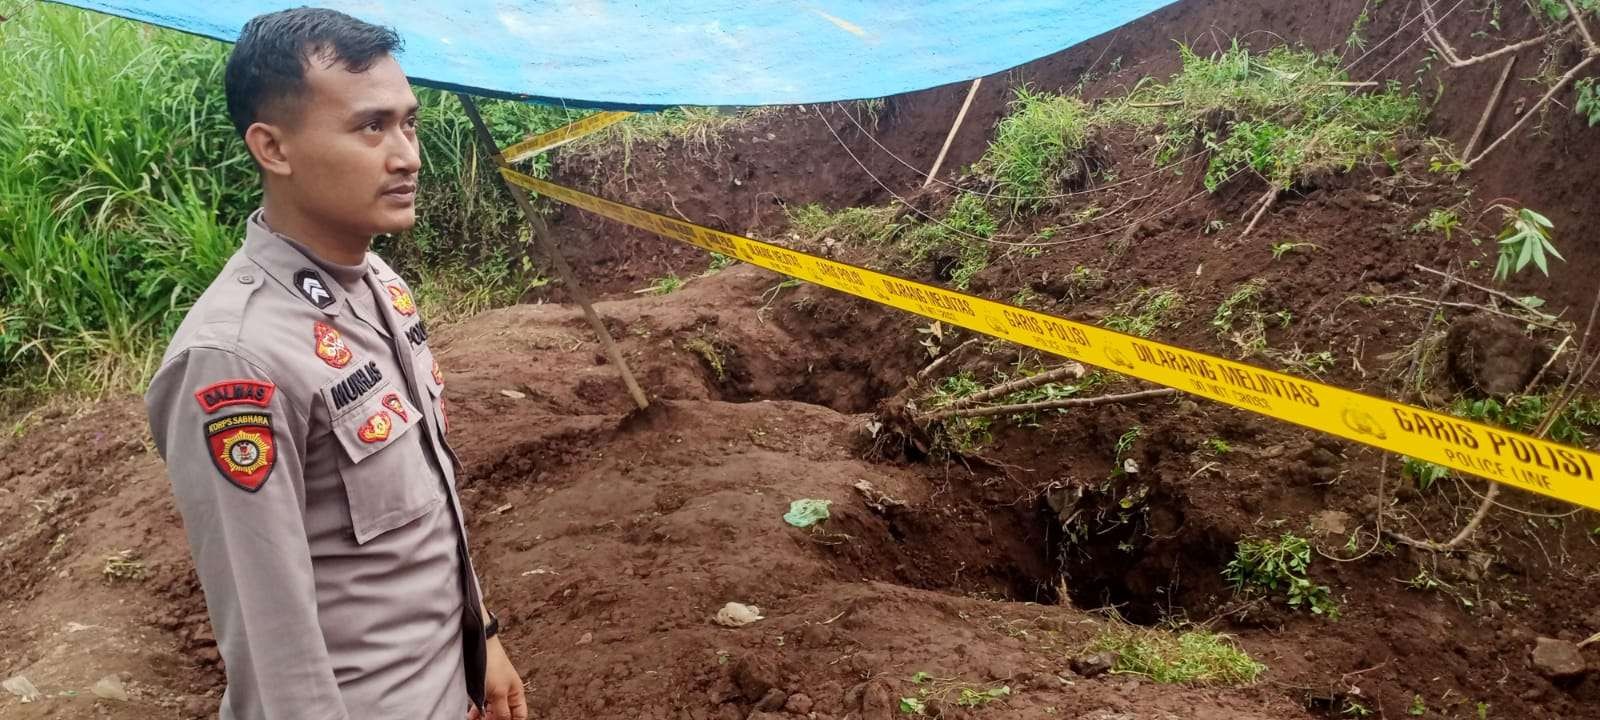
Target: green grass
{"x":1190,"y":657}
{"x":686,"y":125}
{"x":1145,"y":312}
{"x":959,"y":241}
{"x":871,"y":225}
{"x":123,"y":190}
{"x":1034,"y":144}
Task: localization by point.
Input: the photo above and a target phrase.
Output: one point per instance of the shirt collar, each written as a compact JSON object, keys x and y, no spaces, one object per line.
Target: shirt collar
{"x":293,"y":267}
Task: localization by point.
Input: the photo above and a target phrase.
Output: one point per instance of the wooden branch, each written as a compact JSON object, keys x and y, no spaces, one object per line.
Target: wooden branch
{"x":1488,"y":110}
{"x":1560,"y":84}
{"x":1266,"y":202}
{"x":1453,"y":58}
{"x":942,"y":359}
{"x":1047,"y":405}
{"x":1577,"y":19}
{"x":1471,"y":306}
{"x":1070,"y":371}
{"x":1516,"y":301}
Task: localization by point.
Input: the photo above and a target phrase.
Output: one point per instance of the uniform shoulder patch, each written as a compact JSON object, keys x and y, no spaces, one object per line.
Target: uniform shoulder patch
{"x":311,"y":286}
{"x":243,"y":448}
{"x":401,"y":298}
{"x":216,"y":396}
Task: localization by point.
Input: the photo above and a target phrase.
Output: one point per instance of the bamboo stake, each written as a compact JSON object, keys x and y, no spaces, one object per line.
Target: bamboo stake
{"x":954,"y":128}
{"x":541,"y":234}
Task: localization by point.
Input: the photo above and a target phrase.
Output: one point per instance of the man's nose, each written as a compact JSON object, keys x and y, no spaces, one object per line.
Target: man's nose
{"x":404,"y":158}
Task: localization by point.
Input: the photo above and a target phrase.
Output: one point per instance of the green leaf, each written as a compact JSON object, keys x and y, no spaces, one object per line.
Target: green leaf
{"x":913,"y":706}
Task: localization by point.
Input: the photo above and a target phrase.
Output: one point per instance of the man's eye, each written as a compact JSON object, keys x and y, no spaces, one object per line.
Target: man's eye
{"x":411,"y":123}
{"x":373,"y":126}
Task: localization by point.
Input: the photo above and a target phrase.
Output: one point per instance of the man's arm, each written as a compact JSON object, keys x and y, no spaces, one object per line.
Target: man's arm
{"x":234,"y":448}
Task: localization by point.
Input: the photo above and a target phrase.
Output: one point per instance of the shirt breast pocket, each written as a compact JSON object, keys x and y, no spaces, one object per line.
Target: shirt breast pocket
{"x":388,"y":478}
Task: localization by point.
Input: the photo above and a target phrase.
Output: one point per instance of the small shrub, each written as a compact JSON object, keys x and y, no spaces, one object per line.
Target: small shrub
{"x":1279,"y":566}
{"x":1524,"y":240}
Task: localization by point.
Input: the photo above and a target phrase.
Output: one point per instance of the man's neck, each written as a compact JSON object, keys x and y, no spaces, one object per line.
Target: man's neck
{"x":340,"y":249}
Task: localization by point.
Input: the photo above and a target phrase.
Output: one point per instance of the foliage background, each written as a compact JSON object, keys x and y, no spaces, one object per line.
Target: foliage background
{"x":123,"y":190}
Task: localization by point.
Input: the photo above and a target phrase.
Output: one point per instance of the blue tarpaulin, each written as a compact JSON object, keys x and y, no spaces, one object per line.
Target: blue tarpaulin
{"x":654,"y":53}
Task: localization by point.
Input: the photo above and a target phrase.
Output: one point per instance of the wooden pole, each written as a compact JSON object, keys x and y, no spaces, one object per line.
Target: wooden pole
{"x":954,"y":128}
{"x":541,"y":234}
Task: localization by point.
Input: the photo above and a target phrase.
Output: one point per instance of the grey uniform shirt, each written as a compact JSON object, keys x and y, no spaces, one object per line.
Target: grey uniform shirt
{"x":301,"y":415}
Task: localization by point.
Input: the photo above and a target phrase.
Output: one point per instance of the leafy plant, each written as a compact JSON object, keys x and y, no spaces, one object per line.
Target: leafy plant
{"x":1280,"y":565}
{"x":1524,"y":240}
{"x":1423,"y":472}
{"x":1588,"y":103}
{"x":1439,"y":220}
{"x":1218,"y":446}
{"x":1418,"y":707}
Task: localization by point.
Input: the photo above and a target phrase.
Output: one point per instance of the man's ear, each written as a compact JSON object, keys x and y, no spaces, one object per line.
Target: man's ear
{"x":266,"y":144}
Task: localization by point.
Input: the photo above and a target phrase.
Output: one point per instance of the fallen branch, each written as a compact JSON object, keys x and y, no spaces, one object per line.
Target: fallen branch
{"x":1554,"y":89}
{"x":1452,"y":58}
{"x":1509,"y":298}
{"x":1577,"y":19}
{"x":1047,"y":405}
{"x":1070,"y":371}
{"x":942,"y":359}
{"x":1472,"y":306}
{"x":1265,"y":202}
{"x":1488,"y":110}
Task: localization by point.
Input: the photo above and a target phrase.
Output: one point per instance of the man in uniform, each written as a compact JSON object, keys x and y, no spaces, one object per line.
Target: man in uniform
{"x":302,"y":418}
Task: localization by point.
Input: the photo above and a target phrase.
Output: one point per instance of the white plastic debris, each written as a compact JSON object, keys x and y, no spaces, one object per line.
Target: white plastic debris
{"x":738,"y":615}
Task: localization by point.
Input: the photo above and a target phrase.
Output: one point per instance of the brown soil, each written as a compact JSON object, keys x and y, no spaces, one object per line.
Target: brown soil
{"x":608,"y":539}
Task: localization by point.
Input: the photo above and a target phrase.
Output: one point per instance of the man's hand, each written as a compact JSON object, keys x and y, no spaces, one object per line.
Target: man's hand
{"x":502,"y":688}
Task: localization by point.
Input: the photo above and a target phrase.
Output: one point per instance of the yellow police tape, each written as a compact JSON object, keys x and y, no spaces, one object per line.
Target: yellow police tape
{"x":562,"y":135}
{"x":1519,"y":460}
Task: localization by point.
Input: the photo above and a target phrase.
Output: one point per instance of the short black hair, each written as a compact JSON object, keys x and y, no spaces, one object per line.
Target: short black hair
{"x":268,"y":64}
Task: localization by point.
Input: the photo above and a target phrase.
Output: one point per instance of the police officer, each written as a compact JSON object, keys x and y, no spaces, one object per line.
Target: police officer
{"x":301,"y":412}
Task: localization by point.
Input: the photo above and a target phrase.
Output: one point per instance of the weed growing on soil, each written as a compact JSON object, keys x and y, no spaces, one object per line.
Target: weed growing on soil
{"x":1424,"y":473}
{"x":1524,"y":239}
{"x":957,"y":244}
{"x":455,"y":293}
{"x":710,"y":353}
{"x":1273,"y":566}
{"x":671,"y":283}
{"x":684,"y":125}
{"x":1144,"y":313}
{"x":1439,"y":220}
{"x":1035,"y":145}
{"x":1226,"y":98}
{"x":124,"y":565}
{"x":933,"y":694}
{"x":1243,"y":305}
{"x":872,"y":225}
{"x":1573,"y":426}
{"x":1191,"y":657}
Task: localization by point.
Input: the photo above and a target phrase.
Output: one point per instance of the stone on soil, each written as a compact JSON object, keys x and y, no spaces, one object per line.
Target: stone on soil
{"x":1558,"y":659}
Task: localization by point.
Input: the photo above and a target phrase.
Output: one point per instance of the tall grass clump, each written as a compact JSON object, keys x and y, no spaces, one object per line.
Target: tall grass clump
{"x":123,"y":190}
{"x":1284,"y":114}
{"x":1035,"y":144}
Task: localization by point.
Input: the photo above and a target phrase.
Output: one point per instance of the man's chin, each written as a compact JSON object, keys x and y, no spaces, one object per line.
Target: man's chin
{"x":395,"y":222}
